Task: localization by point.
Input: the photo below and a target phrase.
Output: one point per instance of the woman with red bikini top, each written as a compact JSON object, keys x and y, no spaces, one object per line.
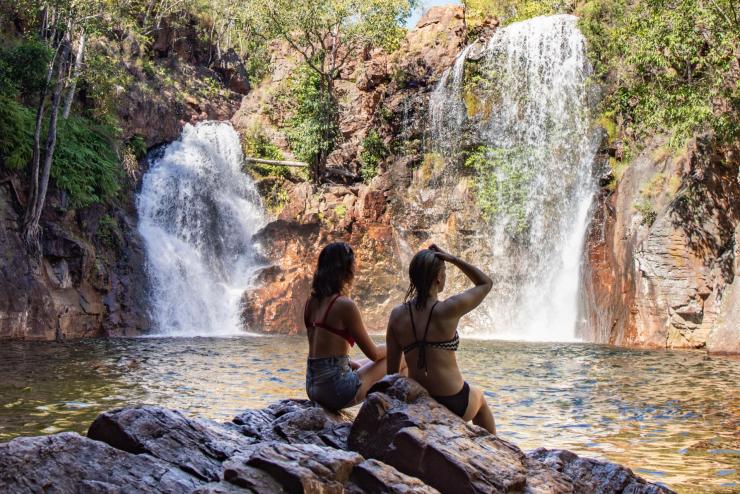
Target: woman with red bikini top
{"x":333,"y":325}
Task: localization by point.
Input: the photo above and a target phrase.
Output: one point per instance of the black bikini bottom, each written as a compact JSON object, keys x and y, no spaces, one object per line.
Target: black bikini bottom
{"x":457,"y":403}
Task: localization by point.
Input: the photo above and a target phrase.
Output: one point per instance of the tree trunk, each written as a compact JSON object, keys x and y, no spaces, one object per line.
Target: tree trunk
{"x":75,"y":74}
{"x":34,"y":209}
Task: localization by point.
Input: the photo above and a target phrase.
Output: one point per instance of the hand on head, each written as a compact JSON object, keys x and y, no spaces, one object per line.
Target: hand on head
{"x":440,"y":253}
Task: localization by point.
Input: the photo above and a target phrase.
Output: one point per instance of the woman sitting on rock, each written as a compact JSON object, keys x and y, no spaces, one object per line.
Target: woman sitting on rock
{"x":424,"y":329}
{"x":334,"y":324}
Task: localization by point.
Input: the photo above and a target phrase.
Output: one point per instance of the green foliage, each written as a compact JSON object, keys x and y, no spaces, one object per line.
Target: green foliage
{"x":671,"y":63}
{"x":23,"y":68}
{"x":104,"y":79}
{"x":373,"y":152}
{"x":508,"y":11}
{"x":502,"y":180}
{"x":647,"y":211}
{"x":16,"y":133}
{"x":276,"y":198}
{"x":108,"y":230}
{"x":257,"y":145}
{"x":313,"y":128}
{"x":85,"y":162}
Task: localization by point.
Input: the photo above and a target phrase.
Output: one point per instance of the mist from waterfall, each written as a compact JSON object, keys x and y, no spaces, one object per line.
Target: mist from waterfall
{"x":197,"y":214}
{"x":537,"y":127}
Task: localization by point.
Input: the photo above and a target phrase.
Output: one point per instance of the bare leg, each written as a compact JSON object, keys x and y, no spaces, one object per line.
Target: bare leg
{"x":478,"y":410}
{"x":369,"y":374}
{"x":404,"y":368}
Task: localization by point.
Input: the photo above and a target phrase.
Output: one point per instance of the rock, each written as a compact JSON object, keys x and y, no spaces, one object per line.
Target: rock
{"x":401,"y":425}
{"x":68,"y":463}
{"x":374,"y":477}
{"x":416,"y":445}
{"x":196,"y":446}
{"x":296,"y":421}
{"x":589,"y":475}
{"x":666,"y":282}
{"x":297,"y":467}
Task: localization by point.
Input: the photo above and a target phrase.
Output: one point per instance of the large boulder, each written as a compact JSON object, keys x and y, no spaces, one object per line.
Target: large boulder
{"x":69,"y":463}
{"x":401,"y":425}
{"x":196,"y":446}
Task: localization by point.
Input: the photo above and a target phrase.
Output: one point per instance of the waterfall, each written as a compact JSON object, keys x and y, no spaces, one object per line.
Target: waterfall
{"x":535,"y":138}
{"x":197,"y":214}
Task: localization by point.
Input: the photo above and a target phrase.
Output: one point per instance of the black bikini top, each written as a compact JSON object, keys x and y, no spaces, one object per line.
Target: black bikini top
{"x":422,"y":344}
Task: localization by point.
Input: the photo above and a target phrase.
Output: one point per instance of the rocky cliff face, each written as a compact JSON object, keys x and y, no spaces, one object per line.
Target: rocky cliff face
{"x":661,"y":263}
{"x":413,"y":200}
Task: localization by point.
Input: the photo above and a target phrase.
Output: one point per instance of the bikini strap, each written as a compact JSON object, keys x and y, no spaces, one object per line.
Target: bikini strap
{"x":331,"y":304}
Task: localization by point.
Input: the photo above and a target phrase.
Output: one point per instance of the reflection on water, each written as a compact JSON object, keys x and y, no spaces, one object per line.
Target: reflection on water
{"x":674,"y":417}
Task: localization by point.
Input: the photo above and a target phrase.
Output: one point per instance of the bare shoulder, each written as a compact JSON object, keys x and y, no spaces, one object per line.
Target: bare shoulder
{"x":396,"y":312}
{"x":345,"y":304}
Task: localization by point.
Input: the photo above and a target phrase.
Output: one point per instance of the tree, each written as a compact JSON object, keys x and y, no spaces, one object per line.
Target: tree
{"x":328,"y":35}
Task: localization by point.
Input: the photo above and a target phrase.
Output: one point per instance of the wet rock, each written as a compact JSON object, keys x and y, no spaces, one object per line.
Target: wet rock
{"x":401,"y":425}
{"x":589,"y":475}
{"x":70,"y":463}
{"x":196,"y":446}
{"x":296,"y":421}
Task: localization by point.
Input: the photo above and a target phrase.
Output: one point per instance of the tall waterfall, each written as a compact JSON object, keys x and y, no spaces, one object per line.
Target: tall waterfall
{"x":197,"y":215}
{"x":537,"y":134}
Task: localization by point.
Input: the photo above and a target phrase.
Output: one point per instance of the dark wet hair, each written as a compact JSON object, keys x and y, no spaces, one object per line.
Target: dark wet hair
{"x":423,"y":270}
{"x":335,"y":269}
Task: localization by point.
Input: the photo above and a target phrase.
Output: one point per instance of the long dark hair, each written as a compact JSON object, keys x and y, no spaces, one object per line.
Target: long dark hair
{"x":423,"y":271}
{"x":335,"y":269}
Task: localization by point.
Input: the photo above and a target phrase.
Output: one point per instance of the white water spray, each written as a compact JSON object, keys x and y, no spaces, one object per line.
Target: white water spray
{"x":538,"y":129}
{"x":197,"y":215}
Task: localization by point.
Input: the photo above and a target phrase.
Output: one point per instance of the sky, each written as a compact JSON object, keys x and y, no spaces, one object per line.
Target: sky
{"x":425,"y":5}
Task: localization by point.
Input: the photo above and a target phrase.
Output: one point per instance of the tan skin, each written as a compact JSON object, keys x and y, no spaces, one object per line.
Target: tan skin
{"x":443,"y":377}
{"x":345,"y":315}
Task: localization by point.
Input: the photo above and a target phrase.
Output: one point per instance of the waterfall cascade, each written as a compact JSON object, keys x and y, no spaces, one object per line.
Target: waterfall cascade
{"x":197,"y":214}
{"x":535,"y":135}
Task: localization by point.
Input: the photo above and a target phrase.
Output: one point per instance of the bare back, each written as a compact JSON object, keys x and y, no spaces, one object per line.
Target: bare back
{"x":441,"y":376}
{"x":323,"y":343}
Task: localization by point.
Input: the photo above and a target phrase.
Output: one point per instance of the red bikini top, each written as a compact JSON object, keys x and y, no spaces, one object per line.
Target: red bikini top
{"x":322,"y":324}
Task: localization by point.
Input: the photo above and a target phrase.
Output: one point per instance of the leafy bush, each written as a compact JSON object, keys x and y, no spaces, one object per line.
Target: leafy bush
{"x":313,"y":128}
{"x":647,"y":211}
{"x":508,"y":11}
{"x":24,"y":68}
{"x":16,"y":133}
{"x":672,"y":64}
{"x":373,"y":152}
{"x":85,"y":162}
{"x":257,"y":145}
{"x":502,"y":180}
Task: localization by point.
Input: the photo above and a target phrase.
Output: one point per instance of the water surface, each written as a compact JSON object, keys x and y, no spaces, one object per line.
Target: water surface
{"x":673,"y":417}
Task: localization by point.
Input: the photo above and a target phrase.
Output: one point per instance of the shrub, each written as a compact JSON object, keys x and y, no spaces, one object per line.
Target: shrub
{"x":502,"y":181}
{"x":373,"y":152}
{"x":24,"y":68}
{"x":313,"y":129}
{"x":647,"y":211}
{"x":85,"y":162}
{"x":16,"y":133}
{"x":671,"y":63}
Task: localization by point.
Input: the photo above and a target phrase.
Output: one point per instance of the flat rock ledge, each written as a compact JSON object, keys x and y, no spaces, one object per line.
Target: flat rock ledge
{"x":401,"y":441}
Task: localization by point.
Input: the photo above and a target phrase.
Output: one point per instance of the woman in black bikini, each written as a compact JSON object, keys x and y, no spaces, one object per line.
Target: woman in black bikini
{"x":333,"y":324}
{"x":424,"y":329}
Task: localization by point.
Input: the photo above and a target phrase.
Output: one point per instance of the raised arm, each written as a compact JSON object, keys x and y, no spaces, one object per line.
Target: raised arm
{"x":393,"y":360}
{"x":462,"y":303}
{"x":357,"y":329}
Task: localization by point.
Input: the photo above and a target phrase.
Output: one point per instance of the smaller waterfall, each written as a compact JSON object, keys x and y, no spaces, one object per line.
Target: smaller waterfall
{"x":197,"y":214}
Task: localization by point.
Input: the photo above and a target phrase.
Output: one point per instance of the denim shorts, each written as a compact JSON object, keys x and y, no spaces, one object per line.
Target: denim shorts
{"x":331,"y":382}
